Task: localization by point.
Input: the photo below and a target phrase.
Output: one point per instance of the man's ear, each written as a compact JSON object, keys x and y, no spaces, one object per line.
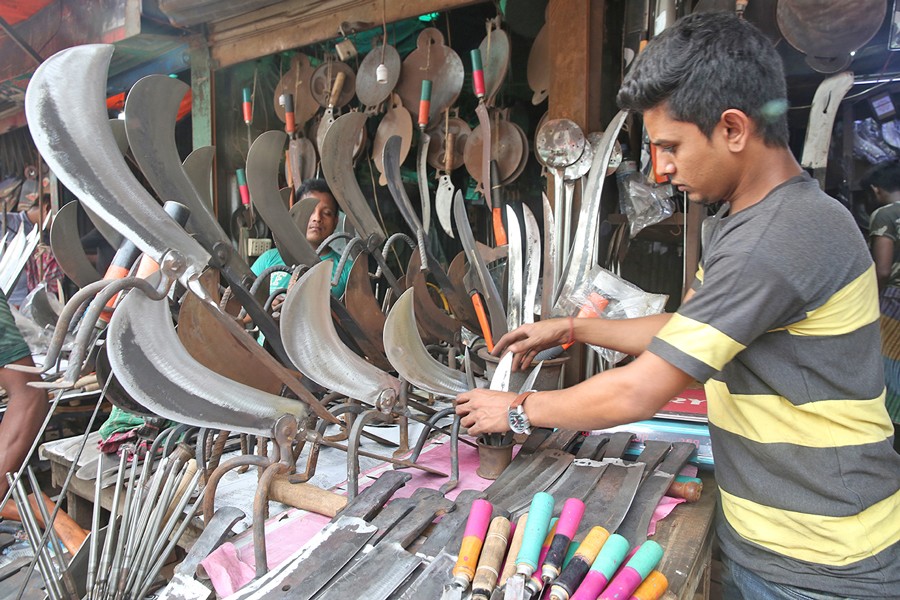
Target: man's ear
{"x":736,"y":128}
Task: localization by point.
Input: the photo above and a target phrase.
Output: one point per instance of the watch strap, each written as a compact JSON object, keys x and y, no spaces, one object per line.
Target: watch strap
{"x":520,"y":399}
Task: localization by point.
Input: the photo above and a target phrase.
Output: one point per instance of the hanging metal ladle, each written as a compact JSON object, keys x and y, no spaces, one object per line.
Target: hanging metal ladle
{"x":560,"y":143}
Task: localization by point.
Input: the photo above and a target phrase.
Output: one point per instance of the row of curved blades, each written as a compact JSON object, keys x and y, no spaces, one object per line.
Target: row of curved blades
{"x":66,"y":114}
{"x":358,"y":358}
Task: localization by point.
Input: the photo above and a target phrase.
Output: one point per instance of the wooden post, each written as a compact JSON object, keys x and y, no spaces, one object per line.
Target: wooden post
{"x":203,"y":102}
{"x":576,"y":29}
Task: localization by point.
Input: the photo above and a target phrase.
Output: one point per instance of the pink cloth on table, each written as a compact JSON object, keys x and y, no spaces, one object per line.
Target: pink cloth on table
{"x":667,"y":504}
{"x":231,"y":566}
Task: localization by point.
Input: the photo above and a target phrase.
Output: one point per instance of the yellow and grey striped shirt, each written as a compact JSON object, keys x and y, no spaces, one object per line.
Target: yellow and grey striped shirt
{"x":783,"y":328}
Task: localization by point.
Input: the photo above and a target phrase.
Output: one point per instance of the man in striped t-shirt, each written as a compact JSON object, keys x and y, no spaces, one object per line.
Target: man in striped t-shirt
{"x":781,"y":324}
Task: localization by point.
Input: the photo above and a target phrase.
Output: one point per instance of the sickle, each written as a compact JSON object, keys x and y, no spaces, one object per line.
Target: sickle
{"x":313,"y":343}
{"x":66,"y":111}
{"x":152,"y":365}
{"x":67,"y":248}
{"x":153,"y":103}
{"x":198,"y":168}
{"x":337,"y":166}
{"x":408,"y":355}
{"x":262,"y":178}
{"x":514,"y":270}
{"x":584,"y":244}
{"x":150,"y":112}
{"x":532,"y":264}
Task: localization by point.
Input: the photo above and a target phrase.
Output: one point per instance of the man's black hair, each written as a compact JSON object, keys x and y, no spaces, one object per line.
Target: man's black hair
{"x":885,"y":175}
{"x":314,"y":185}
{"x":705,"y":64}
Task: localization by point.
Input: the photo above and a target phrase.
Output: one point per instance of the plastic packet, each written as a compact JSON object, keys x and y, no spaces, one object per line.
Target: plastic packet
{"x":642,"y":202}
{"x":606,"y":295}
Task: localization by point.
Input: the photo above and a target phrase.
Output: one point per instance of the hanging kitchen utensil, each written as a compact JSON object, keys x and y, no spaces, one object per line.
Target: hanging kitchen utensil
{"x":436,"y":151}
{"x":559,"y":143}
{"x":443,"y":197}
{"x":439,"y":64}
{"x":615,"y":160}
{"x":829,"y":31}
{"x":397,"y":121}
{"x":296,"y":81}
{"x":573,"y":173}
{"x":539,"y":66}
{"x":422,"y":154}
{"x":327,"y":121}
{"x":507,"y":149}
{"x":495,"y":58}
{"x":370,"y":91}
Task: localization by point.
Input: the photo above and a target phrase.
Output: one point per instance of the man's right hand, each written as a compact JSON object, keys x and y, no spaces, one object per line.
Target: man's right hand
{"x":526,"y":341}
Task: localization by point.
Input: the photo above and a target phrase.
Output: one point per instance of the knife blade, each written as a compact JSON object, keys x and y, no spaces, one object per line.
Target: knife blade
{"x":486,"y":286}
{"x":514,"y":265}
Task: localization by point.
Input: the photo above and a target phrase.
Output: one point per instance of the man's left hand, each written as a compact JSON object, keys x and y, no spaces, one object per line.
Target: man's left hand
{"x":484,"y":411}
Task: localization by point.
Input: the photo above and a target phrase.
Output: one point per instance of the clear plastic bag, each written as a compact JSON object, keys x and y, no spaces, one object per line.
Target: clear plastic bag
{"x":606,"y":295}
{"x":642,"y":202}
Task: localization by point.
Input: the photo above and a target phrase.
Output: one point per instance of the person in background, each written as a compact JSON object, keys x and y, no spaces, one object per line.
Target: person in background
{"x":322,"y":223}
{"x":42,"y":266}
{"x":26,"y":406}
{"x":781,"y":324}
{"x":884,"y":233}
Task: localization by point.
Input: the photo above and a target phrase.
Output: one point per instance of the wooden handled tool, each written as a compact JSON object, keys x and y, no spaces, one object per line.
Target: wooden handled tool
{"x":577,"y":568}
{"x":488,"y":570}
{"x":509,"y":567}
{"x":569,"y":520}
{"x":290,"y":119}
{"x":536,"y":529}
{"x":65,"y":527}
{"x":306,"y":496}
{"x":652,"y":588}
{"x":604,"y":566}
{"x":336,"y":88}
{"x":534,"y":585}
{"x":634,"y":572}
{"x":470,"y":549}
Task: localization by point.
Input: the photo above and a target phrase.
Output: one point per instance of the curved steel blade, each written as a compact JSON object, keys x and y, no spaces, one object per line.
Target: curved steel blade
{"x":391,"y":163}
{"x":407,"y":353}
{"x":66,"y":243}
{"x":532,"y":264}
{"x":548,"y":287}
{"x":153,"y":106}
{"x":313,"y":344}
{"x":337,"y":166}
{"x":109,"y":234}
{"x":424,"y":194}
{"x":118,"y":128}
{"x":443,"y":204}
{"x":66,"y":109}
{"x":198,"y":168}
{"x":514,"y":264}
{"x":584,"y":244}
{"x":500,"y":380}
{"x":488,"y":288}
{"x":151,"y":110}
{"x":152,"y":365}
{"x":262,"y":178}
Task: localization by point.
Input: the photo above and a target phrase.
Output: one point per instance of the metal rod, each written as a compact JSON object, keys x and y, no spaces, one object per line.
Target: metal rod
{"x":54,"y":538}
{"x":106,"y":555}
{"x":69,"y":474}
{"x":34,"y":534}
{"x":172,"y":543}
{"x":125,"y":522}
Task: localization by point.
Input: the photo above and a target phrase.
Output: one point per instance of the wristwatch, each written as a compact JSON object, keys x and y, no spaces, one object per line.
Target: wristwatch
{"x":518,"y":420}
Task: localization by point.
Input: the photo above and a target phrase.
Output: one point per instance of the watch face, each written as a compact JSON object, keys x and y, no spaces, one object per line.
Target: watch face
{"x":518,"y":422}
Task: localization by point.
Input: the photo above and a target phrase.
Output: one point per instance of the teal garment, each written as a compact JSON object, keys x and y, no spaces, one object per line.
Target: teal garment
{"x":280,"y":279}
{"x":271,"y":258}
{"x":12,"y":344}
